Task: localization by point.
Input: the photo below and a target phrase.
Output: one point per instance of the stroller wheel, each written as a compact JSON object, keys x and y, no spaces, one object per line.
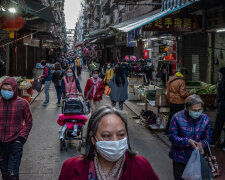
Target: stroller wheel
{"x":80,"y":144}
{"x":66,"y":146}
{"x":61,"y":145}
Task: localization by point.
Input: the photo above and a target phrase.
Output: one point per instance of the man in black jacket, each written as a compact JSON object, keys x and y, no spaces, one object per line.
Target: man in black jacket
{"x":220,"y":119}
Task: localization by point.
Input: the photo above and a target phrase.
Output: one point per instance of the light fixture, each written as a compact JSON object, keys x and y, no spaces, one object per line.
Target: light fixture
{"x":153,"y":39}
{"x":3,"y":9}
{"x":220,"y":30}
{"x":12,"y":10}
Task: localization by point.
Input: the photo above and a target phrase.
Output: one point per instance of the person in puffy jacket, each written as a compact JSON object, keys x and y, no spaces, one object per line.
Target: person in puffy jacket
{"x":94,"y":90}
{"x":189,"y":129}
{"x":176,"y":94}
{"x":15,"y":126}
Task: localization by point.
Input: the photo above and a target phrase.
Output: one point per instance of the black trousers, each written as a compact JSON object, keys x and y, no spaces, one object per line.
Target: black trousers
{"x":78,"y":71}
{"x":178,"y":169}
{"x":10,"y":158}
{"x":174,"y":108}
{"x":220,"y":120}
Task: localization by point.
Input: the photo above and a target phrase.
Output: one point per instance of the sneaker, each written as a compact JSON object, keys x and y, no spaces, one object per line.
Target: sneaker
{"x":45,"y":104}
{"x":58,"y":104}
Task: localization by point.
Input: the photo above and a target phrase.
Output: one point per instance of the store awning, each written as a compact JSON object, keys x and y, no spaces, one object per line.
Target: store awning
{"x":137,"y":23}
{"x":36,"y":8}
{"x":94,"y":34}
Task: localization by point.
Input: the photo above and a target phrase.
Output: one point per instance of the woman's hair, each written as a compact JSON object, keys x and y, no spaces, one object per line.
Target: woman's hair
{"x":57,"y":66}
{"x":119,"y":76}
{"x":43,"y":62}
{"x":193,"y":100}
{"x":74,"y":76}
{"x":92,"y":128}
{"x":222,"y":71}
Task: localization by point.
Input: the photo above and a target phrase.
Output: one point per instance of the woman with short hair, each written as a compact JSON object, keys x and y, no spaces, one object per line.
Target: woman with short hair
{"x":189,"y":129}
{"x":108,"y":155}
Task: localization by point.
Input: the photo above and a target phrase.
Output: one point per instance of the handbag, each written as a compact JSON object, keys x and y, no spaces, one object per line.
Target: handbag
{"x":213,"y":164}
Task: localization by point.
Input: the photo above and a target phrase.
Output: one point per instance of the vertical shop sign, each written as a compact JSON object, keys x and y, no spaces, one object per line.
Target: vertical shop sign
{"x":146,"y":54}
{"x":131,"y":42}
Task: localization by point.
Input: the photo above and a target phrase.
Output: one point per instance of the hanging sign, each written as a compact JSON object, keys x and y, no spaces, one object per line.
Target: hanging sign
{"x":170,"y":4}
{"x":173,"y":23}
{"x":146,"y":54}
{"x":163,"y":48}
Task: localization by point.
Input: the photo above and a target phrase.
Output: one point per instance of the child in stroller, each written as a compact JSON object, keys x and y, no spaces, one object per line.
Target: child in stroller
{"x":73,"y":117}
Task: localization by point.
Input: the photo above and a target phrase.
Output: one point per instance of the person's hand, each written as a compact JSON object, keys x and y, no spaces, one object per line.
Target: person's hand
{"x":39,"y":77}
{"x":200,"y":147}
{"x":192,"y":143}
{"x":67,"y":94}
{"x":79,"y":94}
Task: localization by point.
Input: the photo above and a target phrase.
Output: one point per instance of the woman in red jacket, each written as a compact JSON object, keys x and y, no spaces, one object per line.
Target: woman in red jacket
{"x":108,"y":155}
{"x":94,"y":90}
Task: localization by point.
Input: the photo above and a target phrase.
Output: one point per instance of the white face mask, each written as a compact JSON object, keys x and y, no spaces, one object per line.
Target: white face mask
{"x":112,"y":150}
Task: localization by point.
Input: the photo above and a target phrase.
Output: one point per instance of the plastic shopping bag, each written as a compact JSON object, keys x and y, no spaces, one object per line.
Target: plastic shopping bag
{"x":107,"y":90}
{"x":192,"y":170}
{"x":37,"y":85}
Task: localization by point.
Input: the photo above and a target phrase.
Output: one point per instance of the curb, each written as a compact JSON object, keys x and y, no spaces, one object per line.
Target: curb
{"x":154,"y":132}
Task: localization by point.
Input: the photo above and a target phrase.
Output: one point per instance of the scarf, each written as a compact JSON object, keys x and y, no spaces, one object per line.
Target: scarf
{"x":114,"y":173}
{"x":96,"y":85}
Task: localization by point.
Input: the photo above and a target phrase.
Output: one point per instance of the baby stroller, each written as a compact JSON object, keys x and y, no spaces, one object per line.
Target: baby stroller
{"x":72,"y":121}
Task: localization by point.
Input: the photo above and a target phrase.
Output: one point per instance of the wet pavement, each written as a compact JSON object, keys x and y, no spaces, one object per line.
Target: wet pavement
{"x":42,"y":159}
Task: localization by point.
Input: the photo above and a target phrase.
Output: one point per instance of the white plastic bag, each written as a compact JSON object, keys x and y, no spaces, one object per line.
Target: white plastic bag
{"x":192,"y":170}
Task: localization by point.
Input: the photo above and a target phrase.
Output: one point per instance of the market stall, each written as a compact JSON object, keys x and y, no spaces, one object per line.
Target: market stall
{"x":25,"y":89}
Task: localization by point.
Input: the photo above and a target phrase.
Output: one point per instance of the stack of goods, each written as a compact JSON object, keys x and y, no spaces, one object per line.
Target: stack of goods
{"x":150,"y":95}
{"x":207,"y":92}
{"x":149,"y":116}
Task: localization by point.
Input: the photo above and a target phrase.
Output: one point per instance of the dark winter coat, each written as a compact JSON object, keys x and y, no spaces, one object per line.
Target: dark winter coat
{"x":118,"y":93}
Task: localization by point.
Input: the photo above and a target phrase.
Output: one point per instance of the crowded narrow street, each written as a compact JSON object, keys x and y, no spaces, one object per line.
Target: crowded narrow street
{"x":42,"y":159}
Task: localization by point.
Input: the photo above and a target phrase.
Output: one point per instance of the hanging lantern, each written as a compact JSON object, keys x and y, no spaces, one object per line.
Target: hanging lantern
{"x":11,"y":24}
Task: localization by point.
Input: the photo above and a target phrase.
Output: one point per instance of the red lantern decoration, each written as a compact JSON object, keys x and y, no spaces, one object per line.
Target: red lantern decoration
{"x":11,"y":24}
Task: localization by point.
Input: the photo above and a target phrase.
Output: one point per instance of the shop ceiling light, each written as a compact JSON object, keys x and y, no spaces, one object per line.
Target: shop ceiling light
{"x":220,"y":30}
{"x":3,"y":9}
{"x":12,"y":10}
{"x":154,"y":39}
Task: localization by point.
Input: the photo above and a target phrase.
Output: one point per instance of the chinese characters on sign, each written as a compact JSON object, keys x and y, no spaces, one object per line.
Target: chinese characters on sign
{"x":172,"y":23}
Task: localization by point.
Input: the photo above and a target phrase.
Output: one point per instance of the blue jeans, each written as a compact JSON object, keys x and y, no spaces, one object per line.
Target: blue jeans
{"x":59,"y":93}
{"x":10,"y":158}
{"x":47,"y":85}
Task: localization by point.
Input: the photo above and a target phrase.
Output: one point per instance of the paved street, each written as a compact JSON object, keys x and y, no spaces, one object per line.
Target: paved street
{"x":42,"y":159}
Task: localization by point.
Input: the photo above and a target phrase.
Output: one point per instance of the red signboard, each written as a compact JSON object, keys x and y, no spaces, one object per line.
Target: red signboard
{"x":173,"y":23}
{"x":146,"y":54}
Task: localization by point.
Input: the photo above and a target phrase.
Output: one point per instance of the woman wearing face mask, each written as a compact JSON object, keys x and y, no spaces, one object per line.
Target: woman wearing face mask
{"x":189,"y":129}
{"x":108,"y":155}
{"x":94,"y":90}
{"x":70,"y":84}
{"x":108,"y":74}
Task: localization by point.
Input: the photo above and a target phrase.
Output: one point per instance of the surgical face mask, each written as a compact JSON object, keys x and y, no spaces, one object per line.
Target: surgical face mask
{"x":108,"y":67}
{"x":112,"y":150}
{"x":7,"y":94}
{"x":195,"y":115}
{"x":95,"y":75}
{"x":69,"y":74}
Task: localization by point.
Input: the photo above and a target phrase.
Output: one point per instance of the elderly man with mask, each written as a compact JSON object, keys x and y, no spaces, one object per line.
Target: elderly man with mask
{"x":15,"y":126}
{"x":189,"y":129}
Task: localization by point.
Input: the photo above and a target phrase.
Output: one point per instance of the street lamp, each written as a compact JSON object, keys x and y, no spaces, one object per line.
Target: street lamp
{"x":12,"y":10}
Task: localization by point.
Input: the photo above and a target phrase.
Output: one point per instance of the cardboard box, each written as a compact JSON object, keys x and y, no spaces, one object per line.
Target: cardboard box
{"x":161,"y":100}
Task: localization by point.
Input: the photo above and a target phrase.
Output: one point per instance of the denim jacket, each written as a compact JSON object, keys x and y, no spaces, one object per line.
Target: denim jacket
{"x":183,"y":128}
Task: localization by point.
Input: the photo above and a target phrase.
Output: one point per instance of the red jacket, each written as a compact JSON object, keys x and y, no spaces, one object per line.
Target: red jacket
{"x":99,"y":93}
{"x":135,"y":168}
{"x":15,"y":116}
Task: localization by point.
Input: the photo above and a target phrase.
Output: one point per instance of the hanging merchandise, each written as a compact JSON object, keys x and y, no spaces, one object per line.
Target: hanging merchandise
{"x":127,"y":58}
{"x":11,"y":24}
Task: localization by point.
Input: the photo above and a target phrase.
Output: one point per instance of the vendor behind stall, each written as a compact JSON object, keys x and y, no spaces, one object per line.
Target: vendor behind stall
{"x":176,"y":94}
